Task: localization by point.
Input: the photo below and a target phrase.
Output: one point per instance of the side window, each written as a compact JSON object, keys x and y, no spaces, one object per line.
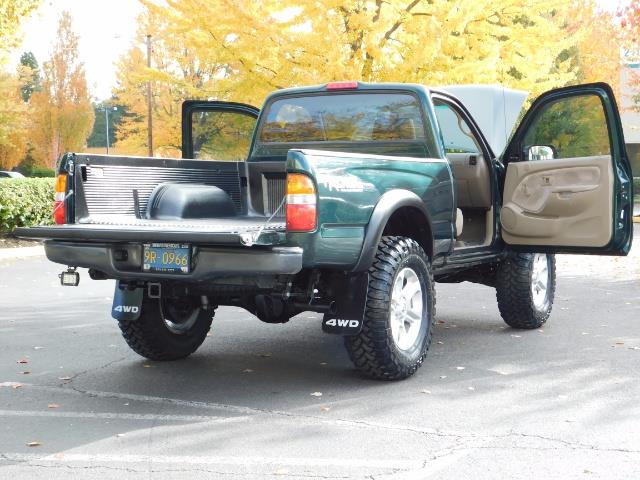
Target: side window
{"x":568,"y":128}
{"x":220,"y":135}
{"x":456,"y":133}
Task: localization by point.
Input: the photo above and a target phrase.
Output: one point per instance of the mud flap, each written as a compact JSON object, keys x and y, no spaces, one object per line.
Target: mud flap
{"x":127,"y":303}
{"x":351,"y":297}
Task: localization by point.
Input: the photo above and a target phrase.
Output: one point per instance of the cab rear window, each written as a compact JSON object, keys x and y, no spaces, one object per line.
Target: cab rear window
{"x":358,"y":117}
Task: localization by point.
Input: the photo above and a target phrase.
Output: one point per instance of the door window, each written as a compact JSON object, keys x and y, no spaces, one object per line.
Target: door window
{"x":220,"y":135}
{"x":456,"y":133}
{"x":571,"y":127}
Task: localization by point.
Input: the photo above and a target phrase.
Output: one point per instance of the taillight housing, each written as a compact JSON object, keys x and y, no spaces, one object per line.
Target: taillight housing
{"x":301,"y":203}
{"x":59,"y":211}
{"x":342,"y":85}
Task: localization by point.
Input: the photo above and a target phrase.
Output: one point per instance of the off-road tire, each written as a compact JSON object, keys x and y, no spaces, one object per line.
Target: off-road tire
{"x":514,"y":292}
{"x":150,"y":337}
{"x":374,"y":351}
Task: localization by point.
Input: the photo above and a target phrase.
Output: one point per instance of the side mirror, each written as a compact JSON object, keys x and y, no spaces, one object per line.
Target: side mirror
{"x":541,"y":152}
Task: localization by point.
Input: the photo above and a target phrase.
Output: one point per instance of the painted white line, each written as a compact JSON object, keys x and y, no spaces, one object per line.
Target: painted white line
{"x":106,"y":459}
{"x":81,"y":325}
{"x":143,"y":398}
{"x":297,"y":417}
{"x":118,"y":416}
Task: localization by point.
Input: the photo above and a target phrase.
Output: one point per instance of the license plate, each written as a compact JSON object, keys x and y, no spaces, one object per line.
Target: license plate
{"x":166,"y":257}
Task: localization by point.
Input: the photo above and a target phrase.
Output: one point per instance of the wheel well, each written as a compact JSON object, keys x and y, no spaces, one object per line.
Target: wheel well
{"x":411,"y":222}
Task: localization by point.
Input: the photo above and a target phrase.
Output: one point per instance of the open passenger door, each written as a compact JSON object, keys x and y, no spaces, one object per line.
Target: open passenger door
{"x":568,"y":182}
{"x":217,"y":130}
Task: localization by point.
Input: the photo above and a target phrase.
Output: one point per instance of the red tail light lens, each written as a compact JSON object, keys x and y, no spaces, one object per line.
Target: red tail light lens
{"x":301,"y":203}
{"x":59,"y":213}
{"x":342,"y":86}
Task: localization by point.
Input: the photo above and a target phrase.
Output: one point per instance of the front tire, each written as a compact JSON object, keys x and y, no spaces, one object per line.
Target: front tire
{"x":525,"y":289}
{"x":167,"y":329}
{"x":399,"y":312}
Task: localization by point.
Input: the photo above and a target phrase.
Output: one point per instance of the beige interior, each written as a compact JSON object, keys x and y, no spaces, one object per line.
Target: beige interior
{"x":473,"y":184}
{"x":560,"y":202}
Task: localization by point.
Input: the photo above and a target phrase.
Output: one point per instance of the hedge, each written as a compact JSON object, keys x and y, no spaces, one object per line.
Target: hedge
{"x":25,"y":202}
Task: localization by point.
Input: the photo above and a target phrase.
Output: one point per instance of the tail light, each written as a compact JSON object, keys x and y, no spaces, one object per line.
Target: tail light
{"x":301,"y":203}
{"x":59,"y":213}
{"x":348,"y":85}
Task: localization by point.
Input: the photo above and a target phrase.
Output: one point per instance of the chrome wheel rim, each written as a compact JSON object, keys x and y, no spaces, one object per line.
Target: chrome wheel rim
{"x":539,"y":280}
{"x":407,"y":309}
{"x":180,"y":319}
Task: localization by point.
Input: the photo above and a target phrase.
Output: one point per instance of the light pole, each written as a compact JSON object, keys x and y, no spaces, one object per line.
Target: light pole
{"x":149,"y":104}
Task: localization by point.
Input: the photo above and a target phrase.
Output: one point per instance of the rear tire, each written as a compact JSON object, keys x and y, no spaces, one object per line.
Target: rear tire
{"x":525,"y":289}
{"x":399,"y":312}
{"x":167,"y":329}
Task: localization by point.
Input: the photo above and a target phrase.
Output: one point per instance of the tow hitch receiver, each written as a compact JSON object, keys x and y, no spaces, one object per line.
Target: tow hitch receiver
{"x":70,"y":278}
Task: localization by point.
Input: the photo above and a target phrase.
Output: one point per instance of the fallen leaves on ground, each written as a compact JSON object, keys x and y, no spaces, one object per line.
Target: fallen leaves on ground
{"x":34,"y":444}
{"x":23,"y":361}
{"x":247,"y":370}
{"x":16,"y":386}
{"x":316,"y":394}
{"x":325,"y":409}
{"x":64,"y":378}
{"x":427,"y":392}
{"x":53,"y":405}
{"x":26,"y":372}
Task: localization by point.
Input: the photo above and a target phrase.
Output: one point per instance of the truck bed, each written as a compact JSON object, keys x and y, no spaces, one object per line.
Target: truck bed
{"x":107,"y":191}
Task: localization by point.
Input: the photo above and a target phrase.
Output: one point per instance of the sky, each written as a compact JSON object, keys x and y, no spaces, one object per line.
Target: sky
{"x":106,"y":29}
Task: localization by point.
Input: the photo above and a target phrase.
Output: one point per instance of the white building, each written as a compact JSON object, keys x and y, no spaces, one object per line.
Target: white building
{"x":630,"y":118}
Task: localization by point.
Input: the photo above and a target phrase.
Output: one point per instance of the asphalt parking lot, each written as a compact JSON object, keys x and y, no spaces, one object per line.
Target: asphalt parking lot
{"x":271,"y":401}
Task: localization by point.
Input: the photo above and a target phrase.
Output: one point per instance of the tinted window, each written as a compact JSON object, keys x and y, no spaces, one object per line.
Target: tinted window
{"x":361,"y":117}
{"x":456,"y":133}
{"x":573,"y":126}
{"x":221,"y":135}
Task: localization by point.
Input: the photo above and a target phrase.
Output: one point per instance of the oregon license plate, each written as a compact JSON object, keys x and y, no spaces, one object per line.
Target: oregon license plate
{"x":166,"y":257}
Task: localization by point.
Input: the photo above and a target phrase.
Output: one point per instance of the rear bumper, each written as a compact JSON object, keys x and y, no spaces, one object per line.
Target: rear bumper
{"x":123,"y":261}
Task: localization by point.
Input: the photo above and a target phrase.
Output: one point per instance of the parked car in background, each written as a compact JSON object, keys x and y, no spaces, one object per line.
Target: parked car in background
{"x":5,"y":174}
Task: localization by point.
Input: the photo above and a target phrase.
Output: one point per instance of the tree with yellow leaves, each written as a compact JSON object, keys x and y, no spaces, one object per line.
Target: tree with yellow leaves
{"x":61,"y":113}
{"x":241,"y":50}
{"x":13,"y":111}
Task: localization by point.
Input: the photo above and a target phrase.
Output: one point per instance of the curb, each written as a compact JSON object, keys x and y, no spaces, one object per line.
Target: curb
{"x":21,"y":252}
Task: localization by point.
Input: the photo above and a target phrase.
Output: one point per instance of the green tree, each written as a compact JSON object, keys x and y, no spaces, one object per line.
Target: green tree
{"x":29,"y":76}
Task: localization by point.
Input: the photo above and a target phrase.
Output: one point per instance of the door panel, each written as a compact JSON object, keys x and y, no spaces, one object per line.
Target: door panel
{"x":473,"y":181}
{"x":565,"y":202}
{"x":567,"y":186}
{"x":213,"y":130}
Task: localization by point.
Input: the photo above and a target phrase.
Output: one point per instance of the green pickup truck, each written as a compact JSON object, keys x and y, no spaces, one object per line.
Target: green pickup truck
{"x":348,"y":199}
